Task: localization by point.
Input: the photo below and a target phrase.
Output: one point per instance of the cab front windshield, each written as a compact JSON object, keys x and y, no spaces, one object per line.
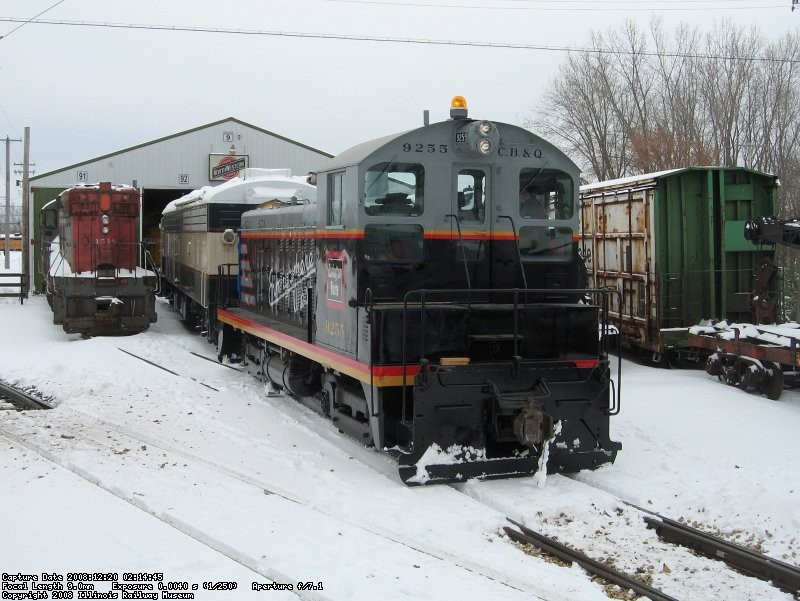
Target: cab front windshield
{"x":545,"y":194}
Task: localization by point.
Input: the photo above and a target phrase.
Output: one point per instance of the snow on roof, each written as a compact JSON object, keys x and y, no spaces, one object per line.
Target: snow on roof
{"x":643,"y":179}
{"x":633,"y":180}
{"x":253,"y":186}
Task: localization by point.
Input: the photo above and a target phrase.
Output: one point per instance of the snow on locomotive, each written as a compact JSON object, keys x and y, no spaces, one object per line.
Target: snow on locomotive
{"x":90,"y":253}
{"x":432,"y":303}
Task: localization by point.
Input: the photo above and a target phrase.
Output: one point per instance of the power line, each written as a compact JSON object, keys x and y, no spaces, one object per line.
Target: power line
{"x":659,"y":6}
{"x":658,"y":2}
{"x":363,"y":38}
{"x":31,"y":19}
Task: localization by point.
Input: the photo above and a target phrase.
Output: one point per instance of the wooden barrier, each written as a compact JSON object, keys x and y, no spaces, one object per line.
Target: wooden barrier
{"x":18,"y":284}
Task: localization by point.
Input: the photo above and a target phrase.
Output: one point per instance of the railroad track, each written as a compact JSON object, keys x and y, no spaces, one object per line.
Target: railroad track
{"x":262,"y":484}
{"x":784,"y":576}
{"x":781,"y":574}
{"x":570,"y":555}
{"x":381,"y":530}
{"x":14,"y":398}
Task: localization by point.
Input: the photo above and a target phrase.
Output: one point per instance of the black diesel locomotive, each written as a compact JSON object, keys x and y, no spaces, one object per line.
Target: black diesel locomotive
{"x":431,"y":303}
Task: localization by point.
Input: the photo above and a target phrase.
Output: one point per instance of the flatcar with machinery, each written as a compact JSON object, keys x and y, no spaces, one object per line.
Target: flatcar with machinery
{"x":431,"y":302}
{"x":762,"y":357}
{"x":91,"y":257}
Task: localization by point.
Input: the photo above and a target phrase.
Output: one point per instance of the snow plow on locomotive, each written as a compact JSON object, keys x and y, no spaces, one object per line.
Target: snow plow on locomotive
{"x":91,"y":249}
{"x":432,"y":303}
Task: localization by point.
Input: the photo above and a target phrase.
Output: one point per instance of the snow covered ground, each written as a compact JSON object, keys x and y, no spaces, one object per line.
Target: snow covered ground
{"x":195,"y":474}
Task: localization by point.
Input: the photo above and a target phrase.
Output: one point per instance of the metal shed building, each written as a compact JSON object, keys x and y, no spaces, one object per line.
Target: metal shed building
{"x":167,"y":168}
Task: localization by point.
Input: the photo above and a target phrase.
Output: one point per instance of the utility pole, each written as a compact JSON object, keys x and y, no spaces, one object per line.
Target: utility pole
{"x":8,"y":201}
{"x":26,"y":231}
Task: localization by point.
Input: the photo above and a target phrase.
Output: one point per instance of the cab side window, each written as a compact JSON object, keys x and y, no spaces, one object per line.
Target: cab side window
{"x":471,"y":192}
{"x":394,"y":189}
{"x":335,"y":198}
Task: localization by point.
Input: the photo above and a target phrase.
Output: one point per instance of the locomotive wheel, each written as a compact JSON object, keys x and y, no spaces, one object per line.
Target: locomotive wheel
{"x":773,"y":384}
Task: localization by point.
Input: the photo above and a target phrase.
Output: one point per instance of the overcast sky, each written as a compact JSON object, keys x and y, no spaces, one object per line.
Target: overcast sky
{"x":87,"y":91}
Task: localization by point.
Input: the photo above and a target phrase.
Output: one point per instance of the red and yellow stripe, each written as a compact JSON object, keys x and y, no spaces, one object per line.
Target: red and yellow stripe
{"x":356,"y":234}
{"x":378,"y":375}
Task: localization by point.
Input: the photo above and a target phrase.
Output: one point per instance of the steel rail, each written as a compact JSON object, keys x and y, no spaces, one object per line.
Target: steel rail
{"x":20,"y":399}
{"x":782,"y":575}
{"x":564,"y":553}
{"x":174,"y":373}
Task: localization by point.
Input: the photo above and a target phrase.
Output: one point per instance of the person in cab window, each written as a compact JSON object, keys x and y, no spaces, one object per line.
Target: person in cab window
{"x":395,"y":250}
{"x":532,"y":204}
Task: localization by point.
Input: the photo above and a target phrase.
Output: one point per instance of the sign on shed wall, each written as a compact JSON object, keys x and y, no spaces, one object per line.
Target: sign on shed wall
{"x":222,"y":167}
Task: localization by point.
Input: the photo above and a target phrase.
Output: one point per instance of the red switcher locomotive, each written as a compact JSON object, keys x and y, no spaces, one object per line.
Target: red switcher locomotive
{"x":91,"y":253}
{"x":431,"y":302}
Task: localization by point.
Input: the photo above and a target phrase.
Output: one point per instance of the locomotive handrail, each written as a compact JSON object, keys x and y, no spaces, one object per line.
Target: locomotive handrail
{"x":423,"y":293}
{"x":461,"y":245}
{"x":519,"y":254}
{"x":148,"y":255}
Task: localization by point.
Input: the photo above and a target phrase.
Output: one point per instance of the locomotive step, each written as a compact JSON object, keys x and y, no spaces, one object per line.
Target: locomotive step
{"x":494,"y":337}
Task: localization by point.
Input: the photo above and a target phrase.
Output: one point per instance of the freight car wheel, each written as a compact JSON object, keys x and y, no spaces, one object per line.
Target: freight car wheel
{"x":714,"y":366}
{"x":773,"y":383}
{"x":730,"y":375}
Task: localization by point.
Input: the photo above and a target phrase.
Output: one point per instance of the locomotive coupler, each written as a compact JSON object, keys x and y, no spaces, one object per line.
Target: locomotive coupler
{"x":521,"y":410}
{"x":532,"y":426}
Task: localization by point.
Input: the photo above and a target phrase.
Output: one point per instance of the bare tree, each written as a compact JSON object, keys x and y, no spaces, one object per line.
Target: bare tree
{"x":635,"y":103}
{"x":582,"y":119}
{"x":626,"y":106}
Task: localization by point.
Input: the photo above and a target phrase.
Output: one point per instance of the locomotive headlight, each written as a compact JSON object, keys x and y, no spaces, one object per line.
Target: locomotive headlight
{"x":105,"y":219}
{"x":228,"y":236}
{"x":480,"y":138}
{"x":105,"y":229}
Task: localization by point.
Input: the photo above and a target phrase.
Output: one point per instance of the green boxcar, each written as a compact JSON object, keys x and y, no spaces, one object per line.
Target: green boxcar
{"x":672,"y":243}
